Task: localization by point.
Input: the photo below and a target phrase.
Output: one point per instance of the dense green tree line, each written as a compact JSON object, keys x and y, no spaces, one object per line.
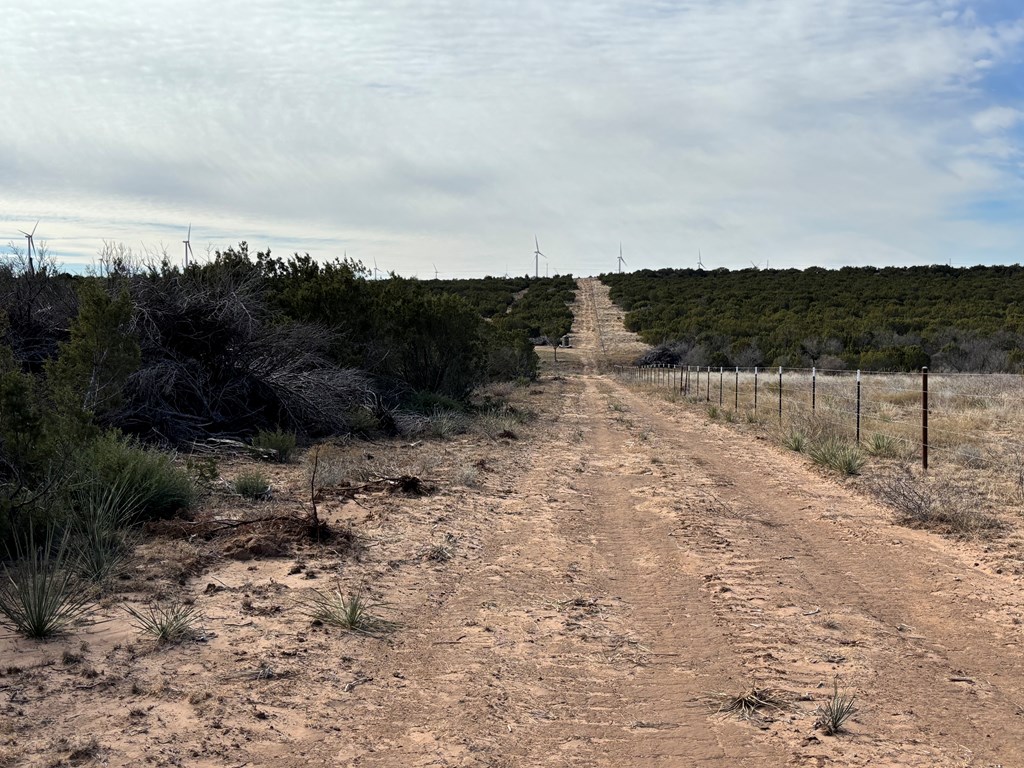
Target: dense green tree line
{"x":892,"y":318}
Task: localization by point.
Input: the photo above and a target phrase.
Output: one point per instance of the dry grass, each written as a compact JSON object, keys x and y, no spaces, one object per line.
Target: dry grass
{"x":976,"y":422}
{"x":753,"y":703}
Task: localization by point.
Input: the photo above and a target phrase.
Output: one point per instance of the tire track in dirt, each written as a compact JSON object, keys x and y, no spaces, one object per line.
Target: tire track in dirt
{"x":812,"y":581}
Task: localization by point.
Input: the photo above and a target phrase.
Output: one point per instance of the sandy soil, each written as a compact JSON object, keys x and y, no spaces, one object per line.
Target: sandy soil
{"x":611,"y":572}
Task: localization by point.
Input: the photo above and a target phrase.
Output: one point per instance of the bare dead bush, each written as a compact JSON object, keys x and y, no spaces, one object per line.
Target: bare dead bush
{"x":935,"y":503}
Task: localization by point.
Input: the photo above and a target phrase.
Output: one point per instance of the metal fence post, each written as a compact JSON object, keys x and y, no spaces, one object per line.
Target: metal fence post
{"x":755,"y":390}
{"x":686,"y":390}
{"x":924,"y":418}
{"x":708,"y":396}
{"x":736,"y":391}
{"x":780,"y":394}
{"x":814,"y":388}
{"x":721,"y":385}
{"x":858,"y":405}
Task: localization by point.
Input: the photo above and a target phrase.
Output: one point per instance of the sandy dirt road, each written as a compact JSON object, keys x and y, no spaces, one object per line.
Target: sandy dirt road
{"x":610,"y":576}
{"x":645,"y":560}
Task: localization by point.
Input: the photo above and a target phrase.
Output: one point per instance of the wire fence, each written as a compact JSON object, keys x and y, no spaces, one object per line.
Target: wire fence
{"x":974,"y":420}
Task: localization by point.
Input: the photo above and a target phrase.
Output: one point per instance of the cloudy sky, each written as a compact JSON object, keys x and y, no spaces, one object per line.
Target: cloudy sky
{"x":792,"y":132}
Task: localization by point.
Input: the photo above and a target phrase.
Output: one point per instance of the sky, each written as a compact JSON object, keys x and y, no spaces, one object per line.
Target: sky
{"x":444,"y":135}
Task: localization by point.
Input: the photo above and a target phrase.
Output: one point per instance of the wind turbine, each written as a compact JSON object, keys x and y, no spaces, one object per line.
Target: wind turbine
{"x":621,"y":260}
{"x":188,"y":245}
{"x":375,"y":270}
{"x":700,"y":264}
{"x":435,"y":269}
{"x":536,"y":257}
{"x":31,"y":246}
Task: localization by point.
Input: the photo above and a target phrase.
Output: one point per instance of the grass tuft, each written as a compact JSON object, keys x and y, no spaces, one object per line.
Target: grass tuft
{"x":173,"y":623}
{"x":253,"y":486}
{"x":277,"y":444}
{"x":751,"y":703}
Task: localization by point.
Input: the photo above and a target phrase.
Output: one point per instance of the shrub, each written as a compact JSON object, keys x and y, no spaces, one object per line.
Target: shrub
{"x":149,"y":477}
{"x":279,"y":445}
{"x":934,"y":504}
{"x":252,"y":485}
{"x":838,"y":455}
{"x":40,"y":594}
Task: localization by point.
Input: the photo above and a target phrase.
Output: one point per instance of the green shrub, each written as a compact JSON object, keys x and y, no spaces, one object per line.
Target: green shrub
{"x":252,"y":485}
{"x":838,"y":455}
{"x":148,"y":476}
{"x":278,"y":445}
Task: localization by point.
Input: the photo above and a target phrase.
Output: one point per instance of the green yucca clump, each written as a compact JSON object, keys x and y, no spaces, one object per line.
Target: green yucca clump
{"x":173,"y":623}
{"x":795,"y":441}
{"x":40,"y":593}
{"x":352,"y":612}
{"x":100,"y":539}
{"x":833,"y":714}
{"x":838,"y":455}
{"x":884,"y":446}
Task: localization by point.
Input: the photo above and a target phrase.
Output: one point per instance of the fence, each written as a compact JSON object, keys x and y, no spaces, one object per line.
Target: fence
{"x":972,"y":419}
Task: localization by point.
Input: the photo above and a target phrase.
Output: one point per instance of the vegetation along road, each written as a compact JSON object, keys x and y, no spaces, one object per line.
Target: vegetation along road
{"x":620,"y":583}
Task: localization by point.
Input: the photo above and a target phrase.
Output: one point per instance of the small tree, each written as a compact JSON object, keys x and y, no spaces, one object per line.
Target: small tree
{"x":88,"y":376}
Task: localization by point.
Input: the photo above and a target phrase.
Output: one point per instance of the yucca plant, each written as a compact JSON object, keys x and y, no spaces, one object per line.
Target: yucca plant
{"x":100,"y":531}
{"x":348,"y":612}
{"x":884,"y":446}
{"x":833,"y":714}
{"x":843,"y":457}
{"x":173,"y":623}
{"x":40,"y":593}
{"x":796,"y":441}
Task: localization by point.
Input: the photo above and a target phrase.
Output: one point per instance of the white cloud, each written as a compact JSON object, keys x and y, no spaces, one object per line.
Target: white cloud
{"x":810,"y":131}
{"x":997,"y":119}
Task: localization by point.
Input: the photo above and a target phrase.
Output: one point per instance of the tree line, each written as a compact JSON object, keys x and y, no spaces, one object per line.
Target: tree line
{"x":891,"y":318}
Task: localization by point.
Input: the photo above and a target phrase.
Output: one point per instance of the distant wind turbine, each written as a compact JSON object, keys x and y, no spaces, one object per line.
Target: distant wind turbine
{"x":435,"y":270}
{"x":188,"y":245}
{"x":375,"y":270}
{"x":622,"y":261}
{"x":700,"y":264}
{"x":536,"y":257}
{"x":31,"y":246}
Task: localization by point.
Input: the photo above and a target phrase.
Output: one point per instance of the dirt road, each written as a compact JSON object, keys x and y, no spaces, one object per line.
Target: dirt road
{"x":609,"y":578}
{"x":645,"y":560}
